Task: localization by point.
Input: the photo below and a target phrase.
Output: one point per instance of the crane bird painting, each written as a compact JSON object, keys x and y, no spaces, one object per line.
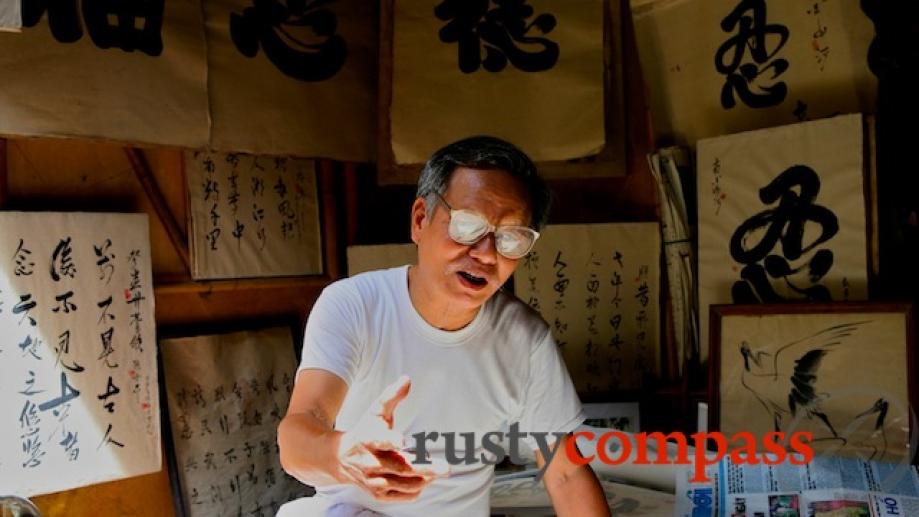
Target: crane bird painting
{"x":832,"y":375}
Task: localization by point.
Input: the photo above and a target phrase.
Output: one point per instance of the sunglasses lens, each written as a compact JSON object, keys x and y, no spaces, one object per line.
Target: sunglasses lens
{"x":514,"y":242}
{"x":467,"y":227}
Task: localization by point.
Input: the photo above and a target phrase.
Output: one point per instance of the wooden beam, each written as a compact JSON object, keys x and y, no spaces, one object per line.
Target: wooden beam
{"x":351,"y":202}
{"x":216,"y":286}
{"x":145,"y":175}
{"x":331,"y":255}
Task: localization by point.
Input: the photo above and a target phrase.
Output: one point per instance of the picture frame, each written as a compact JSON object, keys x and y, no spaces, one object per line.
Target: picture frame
{"x":844,"y":371}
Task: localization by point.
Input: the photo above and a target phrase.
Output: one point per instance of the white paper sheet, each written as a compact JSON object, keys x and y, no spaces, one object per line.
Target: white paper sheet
{"x":78,"y":354}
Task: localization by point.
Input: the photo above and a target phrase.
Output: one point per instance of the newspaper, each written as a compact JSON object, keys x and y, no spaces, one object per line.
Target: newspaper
{"x":825,"y":487}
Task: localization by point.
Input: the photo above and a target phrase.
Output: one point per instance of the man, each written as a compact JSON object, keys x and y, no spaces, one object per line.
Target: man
{"x":435,"y":350}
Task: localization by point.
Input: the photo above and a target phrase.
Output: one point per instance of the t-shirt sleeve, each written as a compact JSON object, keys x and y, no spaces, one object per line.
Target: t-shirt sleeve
{"x":551,"y":403}
{"x":333,"y":339}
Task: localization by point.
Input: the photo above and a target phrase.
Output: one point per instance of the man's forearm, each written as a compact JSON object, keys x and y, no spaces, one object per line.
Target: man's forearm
{"x":577,"y":493}
{"x":308,"y":450}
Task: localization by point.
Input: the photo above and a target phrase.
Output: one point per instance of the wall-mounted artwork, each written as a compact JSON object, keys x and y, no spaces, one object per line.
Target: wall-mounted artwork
{"x":782,"y":215}
{"x":751,"y":64}
{"x":598,"y":287}
{"x":132,"y":72}
{"x":840,"y":371}
{"x":293,"y":78}
{"x":252,"y":216}
{"x":78,"y":354}
{"x":530,"y":72}
{"x":226,"y":395}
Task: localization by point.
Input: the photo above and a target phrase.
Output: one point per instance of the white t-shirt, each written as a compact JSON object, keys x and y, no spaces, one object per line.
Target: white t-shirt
{"x":504,"y":367}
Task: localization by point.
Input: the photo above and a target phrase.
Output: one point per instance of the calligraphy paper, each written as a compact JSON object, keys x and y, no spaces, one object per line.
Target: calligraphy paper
{"x":679,"y":255}
{"x":751,"y":64}
{"x":846,"y":373}
{"x":226,"y":395}
{"x":380,"y":256}
{"x":297,"y":81}
{"x":252,"y":216}
{"x":85,"y":76}
{"x":782,"y":216}
{"x":532,"y":75}
{"x":597,"y":286}
{"x":80,"y":390}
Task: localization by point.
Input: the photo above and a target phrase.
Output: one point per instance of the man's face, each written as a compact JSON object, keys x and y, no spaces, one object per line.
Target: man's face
{"x":467,"y":276}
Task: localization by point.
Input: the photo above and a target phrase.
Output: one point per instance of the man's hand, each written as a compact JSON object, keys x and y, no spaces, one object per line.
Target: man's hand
{"x":371,"y":454}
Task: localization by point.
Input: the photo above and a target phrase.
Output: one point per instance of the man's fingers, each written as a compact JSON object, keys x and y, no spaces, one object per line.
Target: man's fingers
{"x":392,"y":396}
{"x":408,"y":484}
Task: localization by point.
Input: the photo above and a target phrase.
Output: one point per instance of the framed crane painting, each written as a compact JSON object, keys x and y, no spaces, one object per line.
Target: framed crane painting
{"x":842,"y":371}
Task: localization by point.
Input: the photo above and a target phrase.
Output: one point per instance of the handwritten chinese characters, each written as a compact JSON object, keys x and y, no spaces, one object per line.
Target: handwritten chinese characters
{"x":130,"y":25}
{"x":224,"y":420}
{"x":253,"y":216}
{"x":791,"y":221}
{"x":597,"y":286}
{"x":285,"y":30}
{"x":75,"y":308}
{"x":502,"y":30}
{"x":749,"y":30}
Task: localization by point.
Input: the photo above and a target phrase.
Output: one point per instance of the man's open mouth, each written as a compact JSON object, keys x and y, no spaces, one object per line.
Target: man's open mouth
{"x":473,"y":280}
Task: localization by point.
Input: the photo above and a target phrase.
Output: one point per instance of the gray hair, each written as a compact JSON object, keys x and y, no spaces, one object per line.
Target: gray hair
{"x":485,"y":152}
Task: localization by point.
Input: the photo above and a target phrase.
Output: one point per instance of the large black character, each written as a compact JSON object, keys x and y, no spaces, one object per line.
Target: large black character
{"x":125,"y":34}
{"x":64,"y":21}
{"x":62,"y":18}
{"x":752,"y":33}
{"x":785,"y":223}
{"x":501,"y":28}
{"x":267,"y":23}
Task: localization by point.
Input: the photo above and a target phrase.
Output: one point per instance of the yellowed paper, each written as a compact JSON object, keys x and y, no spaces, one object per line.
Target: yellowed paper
{"x":155,"y":94}
{"x":226,"y":395}
{"x":323,"y":106}
{"x":554,"y":112}
{"x":252,"y":216}
{"x":381,"y":256}
{"x":773,"y":262}
{"x":80,"y":390}
{"x":811,"y":63}
{"x":856,"y":364}
{"x":598,"y":288}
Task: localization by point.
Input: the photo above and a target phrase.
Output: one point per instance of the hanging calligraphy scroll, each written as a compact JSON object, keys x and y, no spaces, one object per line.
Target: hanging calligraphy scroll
{"x":80,"y":389}
{"x":226,"y":395}
{"x":380,"y":256}
{"x":252,"y":216}
{"x":129,"y":71}
{"x":782,"y":216}
{"x":530,"y":72}
{"x":751,"y":64}
{"x":598,"y":288}
{"x":293,"y":78}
